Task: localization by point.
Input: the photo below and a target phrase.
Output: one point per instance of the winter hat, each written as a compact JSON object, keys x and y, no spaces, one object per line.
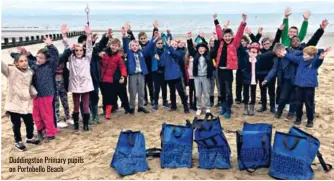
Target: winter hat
{"x":202,"y":45}
{"x":254,"y":45}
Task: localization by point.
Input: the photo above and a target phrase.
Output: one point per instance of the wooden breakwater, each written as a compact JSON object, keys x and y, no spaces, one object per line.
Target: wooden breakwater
{"x":30,"y":40}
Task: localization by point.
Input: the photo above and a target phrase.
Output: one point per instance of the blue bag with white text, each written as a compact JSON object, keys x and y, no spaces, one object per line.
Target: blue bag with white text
{"x":130,"y":153}
{"x":254,"y":146}
{"x":176,"y":144}
{"x":213,"y":148}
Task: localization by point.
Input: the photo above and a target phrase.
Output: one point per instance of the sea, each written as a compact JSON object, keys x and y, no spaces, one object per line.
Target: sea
{"x":15,"y":25}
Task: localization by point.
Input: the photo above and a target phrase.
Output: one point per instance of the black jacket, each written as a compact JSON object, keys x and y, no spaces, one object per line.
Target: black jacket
{"x":196,"y":56}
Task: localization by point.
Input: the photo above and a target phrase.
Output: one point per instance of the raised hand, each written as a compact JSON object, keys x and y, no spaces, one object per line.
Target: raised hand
{"x":156,"y":35}
{"x":64,"y":29}
{"x":244,"y":17}
{"x":214,"y":34}
{"x":95,"y":37}
{"x":87,"y":30}
{"x":260,"y":30}
{"x":248,"y":30}
{"x":47,"y":40}
{"x":109,"y":33}
{"x":189,"y":35}
{"x":287,"y":12}
{"x":23,"y":51}
{"x":324,"y":24}
{"x":306,"y":15}
{"x":201,"y":34}
{"x":215,"y":16}
{"x":227,"y":23}
{"x":127,"y":27}
{"x":325,"y":52}
{"x":123,"y":31}
{"x":156,"y":24}
{"x":281,"y":27}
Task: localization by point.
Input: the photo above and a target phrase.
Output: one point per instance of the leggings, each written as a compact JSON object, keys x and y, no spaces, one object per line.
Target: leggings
{"x":85,"y":100}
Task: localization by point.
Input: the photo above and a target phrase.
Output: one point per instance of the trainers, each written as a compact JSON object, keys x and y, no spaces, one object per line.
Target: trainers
{"x":309,"y":124}
{"x":50,"y":137}
{"x":207,"y":111}
{"x":297,"y":122}
{"x":237,"y":101}
{"x":155,"y":107}
{"x":33,"y":140}
{"x":132,"y":111}
{"x":172,"y":109}
{"x":165,"y":104}
{"x":62,"y":124}
{"x":198,"y":112}
{"x":290,"y":116}
{"x":287,"y":107}
{"x":277,"y":115}
{"x":144,"y":110}
{"x":70,"y":121}
{"x":20,"y":146}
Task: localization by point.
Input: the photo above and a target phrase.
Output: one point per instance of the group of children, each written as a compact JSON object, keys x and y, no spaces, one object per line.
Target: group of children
{"x":36,"y":83}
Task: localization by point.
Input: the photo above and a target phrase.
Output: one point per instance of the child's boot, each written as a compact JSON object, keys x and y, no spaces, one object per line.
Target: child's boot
{"x":212,"y":99}
{"x":309,"y":124}
{"x":223,"y":109}
{"x":228,"y":112}
{"x":108,"y":111}
{"x":85,"y":122}
{"x":246,"y":110}
{"x":75,"y":117}
{"x":251,"y":110}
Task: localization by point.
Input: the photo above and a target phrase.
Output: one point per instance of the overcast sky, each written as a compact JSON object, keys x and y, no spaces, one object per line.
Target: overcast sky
{"x":47,"y":7}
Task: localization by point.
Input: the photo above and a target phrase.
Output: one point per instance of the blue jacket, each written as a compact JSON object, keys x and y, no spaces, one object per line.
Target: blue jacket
{"x":283,"y":68}
{"x":169,"y":60}
{"x":131,"y":63}
{"x":307,"y":71}
{"x":155,"y":63}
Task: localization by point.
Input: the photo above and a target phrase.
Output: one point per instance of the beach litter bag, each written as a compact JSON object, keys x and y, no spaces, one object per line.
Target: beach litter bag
{"x":213,"y":148}
{"x":314,"y":150}
{"x":254,"y":146}
{"x":291,"y":157}
{"x":176,"y":144}
{"x":130,"y":153}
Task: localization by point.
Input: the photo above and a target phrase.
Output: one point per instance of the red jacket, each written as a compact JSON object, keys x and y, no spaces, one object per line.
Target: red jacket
{"x":109,"y":65}
{"x":232,"y":58}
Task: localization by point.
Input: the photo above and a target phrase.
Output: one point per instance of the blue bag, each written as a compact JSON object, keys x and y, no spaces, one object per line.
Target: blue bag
{"x":213,"y":148}
{"x":130,"y":153}
{"x":315,"y":145}
{"x":254,"y":146}
{"x":291,"y":157}
{"x":176,"y":144}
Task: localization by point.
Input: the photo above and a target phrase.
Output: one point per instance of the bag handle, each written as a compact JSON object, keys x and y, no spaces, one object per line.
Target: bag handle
{"x":206,"y":119}
{"x":153,"y":152}
{"x":178,"y":135}
{"x":293,"y":146}
{"x":325,"y":166}
{"x":263,"y":143}
{"x":131,"y":139}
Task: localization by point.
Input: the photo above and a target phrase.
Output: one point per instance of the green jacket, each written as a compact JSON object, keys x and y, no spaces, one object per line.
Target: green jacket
{"x":301,"y":35}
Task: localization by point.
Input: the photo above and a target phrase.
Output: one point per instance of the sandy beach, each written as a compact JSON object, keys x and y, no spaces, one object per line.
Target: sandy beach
{"x":97,"y":146}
